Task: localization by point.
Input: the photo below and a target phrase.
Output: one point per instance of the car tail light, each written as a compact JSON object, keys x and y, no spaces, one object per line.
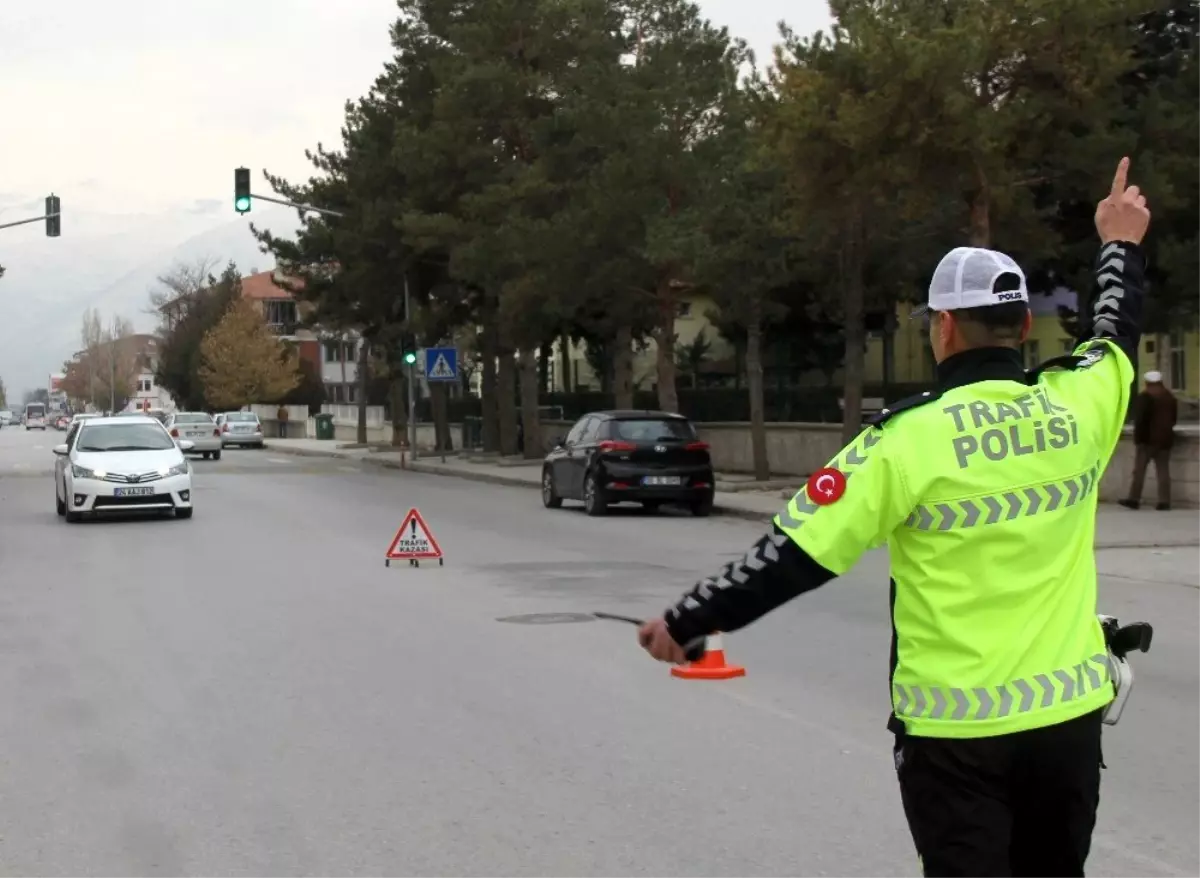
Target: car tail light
{"x":216,"y":432}
{"x":609,"y":445}
{"x":697,"y":446}
{"x":224,"y":428}
{"x":174,"y":432}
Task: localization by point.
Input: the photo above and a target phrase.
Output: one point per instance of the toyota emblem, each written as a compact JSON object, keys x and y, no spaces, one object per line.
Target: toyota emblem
{"x":660,"y":448}
{"x":133,"y":478}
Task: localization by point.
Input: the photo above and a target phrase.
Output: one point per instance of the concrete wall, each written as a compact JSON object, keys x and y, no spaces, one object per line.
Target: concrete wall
{"x":794,"y":449}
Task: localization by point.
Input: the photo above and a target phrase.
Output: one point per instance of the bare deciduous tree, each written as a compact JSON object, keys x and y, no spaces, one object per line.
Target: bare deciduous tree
{"x":182,"y":281}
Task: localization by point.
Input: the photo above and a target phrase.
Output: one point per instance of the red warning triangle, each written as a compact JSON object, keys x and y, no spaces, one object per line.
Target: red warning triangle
{"x":414,"y":539}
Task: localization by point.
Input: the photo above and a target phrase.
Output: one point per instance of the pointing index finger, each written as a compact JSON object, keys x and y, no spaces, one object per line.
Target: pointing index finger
{"x":1118,"y":183}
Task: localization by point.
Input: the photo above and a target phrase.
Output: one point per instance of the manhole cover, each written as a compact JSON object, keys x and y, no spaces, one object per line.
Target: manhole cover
{"x":548,"y":618}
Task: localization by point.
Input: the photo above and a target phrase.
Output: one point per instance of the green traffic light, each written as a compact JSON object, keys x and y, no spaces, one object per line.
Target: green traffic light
{"x":242,"y":205}
{"x":410,"y":358}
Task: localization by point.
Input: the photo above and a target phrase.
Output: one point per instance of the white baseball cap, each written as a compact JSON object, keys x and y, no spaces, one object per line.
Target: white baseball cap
{"x":1153,"y":377}
{"x":972,"y":277}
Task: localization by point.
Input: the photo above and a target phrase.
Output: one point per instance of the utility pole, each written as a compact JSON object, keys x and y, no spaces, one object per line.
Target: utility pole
{"x":412,"y":385}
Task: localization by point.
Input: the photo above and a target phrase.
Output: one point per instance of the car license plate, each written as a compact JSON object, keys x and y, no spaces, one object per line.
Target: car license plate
{"x":133,"y":492}
{"x":661,"y":480}
{"x":197,"y":433}
{"x":242,"y":429}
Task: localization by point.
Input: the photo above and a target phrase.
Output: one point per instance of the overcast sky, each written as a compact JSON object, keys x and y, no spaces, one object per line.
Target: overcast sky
{"x":142,"y":108}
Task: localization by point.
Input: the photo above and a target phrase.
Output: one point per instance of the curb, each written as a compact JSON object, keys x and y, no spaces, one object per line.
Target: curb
{"x":486,"y":477}
{"x":718,"y":509}
{"x":509,"y":481}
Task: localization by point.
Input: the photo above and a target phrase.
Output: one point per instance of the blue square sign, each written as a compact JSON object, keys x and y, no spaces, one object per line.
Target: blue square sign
{"x":441,"y":364}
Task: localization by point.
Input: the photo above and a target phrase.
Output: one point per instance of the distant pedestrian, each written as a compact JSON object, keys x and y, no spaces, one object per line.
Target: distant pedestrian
{"x":1154,"y":415}
{"x":282,"y":415}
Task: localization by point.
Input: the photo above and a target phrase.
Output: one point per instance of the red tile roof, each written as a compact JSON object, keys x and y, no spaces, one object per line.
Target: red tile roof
{"x":263,"y":286}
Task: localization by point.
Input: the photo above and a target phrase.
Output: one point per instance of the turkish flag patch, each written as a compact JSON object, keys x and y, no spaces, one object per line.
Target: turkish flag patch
{"x":826,"y":486}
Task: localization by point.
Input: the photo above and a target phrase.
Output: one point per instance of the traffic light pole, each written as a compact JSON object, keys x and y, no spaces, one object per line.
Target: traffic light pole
{"x":51,"y":217}
{"x":34,"y":219}
{"x":321,"y":210}
{"x":412,"y":388}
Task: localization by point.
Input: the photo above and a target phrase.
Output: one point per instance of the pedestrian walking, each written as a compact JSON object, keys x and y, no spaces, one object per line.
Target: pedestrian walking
{"x":984,"y":491}
{"x":282,"y":417}
{"x":1155,"y":412}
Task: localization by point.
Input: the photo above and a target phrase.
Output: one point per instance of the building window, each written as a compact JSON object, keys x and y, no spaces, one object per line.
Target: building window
{"x":1178,"y":360}
{"x":340,"y":351}
{"x":145,"y":385}
{"x":684,"y":310}
{"x":280,"y":312}
{"x":1033,"y":353}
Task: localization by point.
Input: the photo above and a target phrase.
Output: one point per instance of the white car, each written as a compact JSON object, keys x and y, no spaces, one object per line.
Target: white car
{"x":240,"y":428}
{"x":6,"y":418}
{"x":112,"y":465}
{"x":197,"y":428}
{"x":82,"y":416}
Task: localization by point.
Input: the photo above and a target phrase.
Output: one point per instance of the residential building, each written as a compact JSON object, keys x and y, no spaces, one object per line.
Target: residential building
{"x":147,"y":394}
{"x":283,"y":314}
{"x":339,"y":367}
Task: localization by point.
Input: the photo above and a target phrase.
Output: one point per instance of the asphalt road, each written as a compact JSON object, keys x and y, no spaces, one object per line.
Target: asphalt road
{"x":252,"y":692}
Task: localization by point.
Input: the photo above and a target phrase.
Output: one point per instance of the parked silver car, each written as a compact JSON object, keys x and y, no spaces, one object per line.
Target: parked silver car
{"x":197,"y":428}
{"x":240,"y":428}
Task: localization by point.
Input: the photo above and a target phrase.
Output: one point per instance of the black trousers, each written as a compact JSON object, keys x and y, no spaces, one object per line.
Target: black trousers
{"x":1018,"y":804}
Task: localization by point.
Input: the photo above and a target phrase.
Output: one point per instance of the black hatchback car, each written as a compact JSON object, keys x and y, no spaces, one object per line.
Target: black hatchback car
{"x":646,"y":457}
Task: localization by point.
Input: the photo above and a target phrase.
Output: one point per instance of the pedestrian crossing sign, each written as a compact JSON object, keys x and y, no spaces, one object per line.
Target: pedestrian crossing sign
{"x":441,"y":364}
{"x":413,"y":542}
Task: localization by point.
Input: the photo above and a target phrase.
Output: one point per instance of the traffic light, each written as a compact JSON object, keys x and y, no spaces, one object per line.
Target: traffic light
{"x":410,"y":358}
{"x":241,"y":190}
{"x":53,"y":216}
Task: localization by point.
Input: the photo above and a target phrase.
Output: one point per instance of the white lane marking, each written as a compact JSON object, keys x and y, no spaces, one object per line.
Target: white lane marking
{"x":279,"y":460}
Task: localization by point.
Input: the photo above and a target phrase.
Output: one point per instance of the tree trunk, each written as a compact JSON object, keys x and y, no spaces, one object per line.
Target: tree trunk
{"x":545,"y":352}
{"x":980,"y":207}
{"x":490,"y":435}
{"x":439,"y":401}
{"x":567,"y":379}
{"x":754,"y":384}
{"x":363,"y":366}
{"x":399,"y":409}
{"x":506,"y":402}
{"x":664,"y":337}
{"x":341,"y":349}
{"x":530,"y":423}
{"x":622,"y":368}
{"x":855,"y":332}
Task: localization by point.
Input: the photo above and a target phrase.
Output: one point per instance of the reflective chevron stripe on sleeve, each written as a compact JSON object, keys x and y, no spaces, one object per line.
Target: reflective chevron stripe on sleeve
{"x":800,"y":509}
{"x":1040,"y":691}
{"x":1005,"y":506}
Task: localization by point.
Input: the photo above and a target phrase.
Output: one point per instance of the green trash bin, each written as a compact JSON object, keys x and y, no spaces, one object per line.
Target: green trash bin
{"x":324,"y":426}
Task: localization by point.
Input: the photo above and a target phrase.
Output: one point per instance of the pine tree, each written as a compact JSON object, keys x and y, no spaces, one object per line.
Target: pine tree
{"x":242,"y":362}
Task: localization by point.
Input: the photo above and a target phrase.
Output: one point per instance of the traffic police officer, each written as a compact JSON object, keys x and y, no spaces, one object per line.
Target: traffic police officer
{"x":985,"y":492}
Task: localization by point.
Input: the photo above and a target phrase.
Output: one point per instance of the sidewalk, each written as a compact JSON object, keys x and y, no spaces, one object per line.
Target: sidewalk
{"x":1116,"y":527}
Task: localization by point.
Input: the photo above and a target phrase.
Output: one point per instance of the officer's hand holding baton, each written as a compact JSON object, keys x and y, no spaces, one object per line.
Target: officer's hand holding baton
{"x":1122,"y":215}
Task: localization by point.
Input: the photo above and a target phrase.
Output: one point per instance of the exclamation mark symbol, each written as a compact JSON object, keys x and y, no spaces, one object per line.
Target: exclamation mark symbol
{"x":414,"y":528}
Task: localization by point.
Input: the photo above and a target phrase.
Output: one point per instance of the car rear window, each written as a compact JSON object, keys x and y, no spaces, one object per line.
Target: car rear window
{"x":193,"y":419}
{"x":242,"y":417}
{"x":653,"y":429}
